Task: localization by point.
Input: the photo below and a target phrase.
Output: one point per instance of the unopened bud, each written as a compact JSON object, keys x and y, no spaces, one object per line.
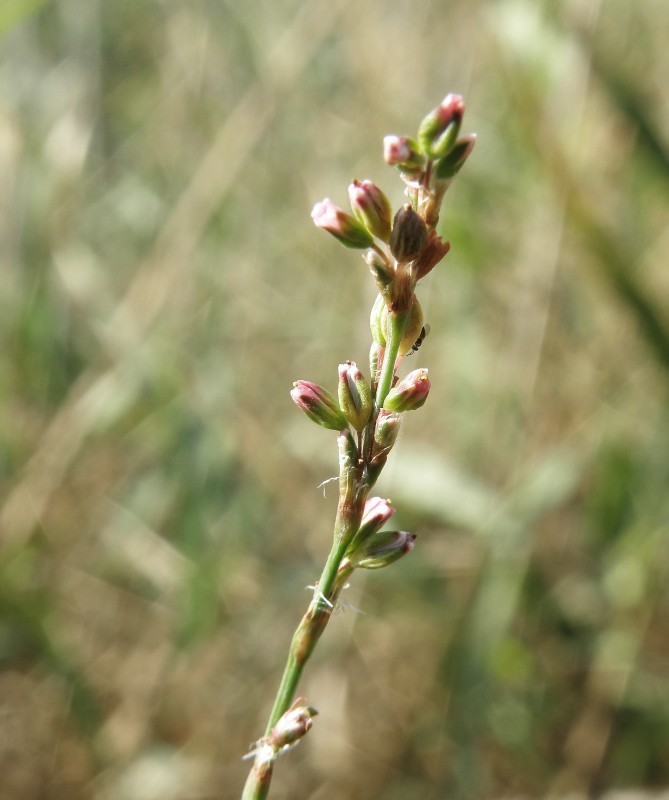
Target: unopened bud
{"x":413,"y":327}
{"x":386,"y":431}
{"x":377,"y":321}
{"x":375,"y":515}
{"x":381,"y":269}
{"x":381,"y":549}
{"x":371,"y":206}
{"x":449,"y":166}
{"x":409,"y":234}
{"x":403,"y":152}
{"x":355,"y":395}
{"x":410,"y":393}
{"x":341,"y":225}
{"x":374,"y":356}
{"x":439,"y":129}
{"x":348,"y":465}
{"x":292,"y":726}
{"x":319,"y":405}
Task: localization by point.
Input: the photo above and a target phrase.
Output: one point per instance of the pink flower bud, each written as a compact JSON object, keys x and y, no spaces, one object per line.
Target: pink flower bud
{"x":386,"y":431}
{"x":381,"y":549}
{"x":371,"y":206}
{"x":355,"y":395}
{"x":292,"y":726}
{"x":319,"y":405}
{"x":341,"y":225}
{"x":376,"y":513}
{"x":403,"y":152}
{"x":410,"y":393}
{"x":438,"y":130}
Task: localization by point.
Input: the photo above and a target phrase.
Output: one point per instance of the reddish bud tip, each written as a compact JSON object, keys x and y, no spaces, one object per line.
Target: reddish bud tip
{"x":439,"y":129}
{"x":410,"y":393}
{"x":342,"y":226}
{"x":376,"y":513}
{"x":292,"y":726}
{"x":355,"y":395}
{"x":403,"y":152}
{"x":371,"y":206}
{"x":319,"y":405}
{"x":382,"y":549}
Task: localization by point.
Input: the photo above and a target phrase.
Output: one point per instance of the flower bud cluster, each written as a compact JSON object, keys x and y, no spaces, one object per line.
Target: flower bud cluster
{"x":371,"y":218}
{"x":401,"y":250}
{"x":443,"y":152}
{"x":372,"y":548}
{"x":437,"y":142}
{"x":353,"y":406}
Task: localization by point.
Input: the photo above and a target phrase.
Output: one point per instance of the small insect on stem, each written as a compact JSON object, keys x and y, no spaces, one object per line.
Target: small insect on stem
{"x":425,"y":330}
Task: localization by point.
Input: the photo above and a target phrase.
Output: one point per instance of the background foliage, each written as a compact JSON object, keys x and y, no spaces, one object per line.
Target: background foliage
{"x":162,"y":286}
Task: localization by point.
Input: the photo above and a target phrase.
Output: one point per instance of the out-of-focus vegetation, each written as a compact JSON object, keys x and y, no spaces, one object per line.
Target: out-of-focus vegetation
{"x":162,"y":286}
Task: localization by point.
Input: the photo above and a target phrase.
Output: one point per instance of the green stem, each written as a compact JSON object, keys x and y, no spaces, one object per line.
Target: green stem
{"x":397,"y":329}
{"x":308,"y":632}
{"x":258,"y":782}
{"x":310,"y":628}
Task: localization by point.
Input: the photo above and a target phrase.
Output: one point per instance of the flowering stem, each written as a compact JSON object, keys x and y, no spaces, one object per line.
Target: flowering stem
{"x":399,"y":251}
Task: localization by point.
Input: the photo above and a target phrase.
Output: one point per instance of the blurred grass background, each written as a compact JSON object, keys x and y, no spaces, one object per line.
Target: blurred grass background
{"x":162,"y":286}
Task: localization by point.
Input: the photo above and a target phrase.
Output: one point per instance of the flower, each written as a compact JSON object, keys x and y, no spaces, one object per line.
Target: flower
{"x":319,"y":405}
{"x":381,"y":549}
{"x":355,"y":395}
{"x":439,"y":129}
{"x":371,"y":206}
{"x":410,"y":393}
{"x":292,"y":725}
{"x":341,"y":225}
{"x":403,"y":152}
{"x":376,"y":513}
